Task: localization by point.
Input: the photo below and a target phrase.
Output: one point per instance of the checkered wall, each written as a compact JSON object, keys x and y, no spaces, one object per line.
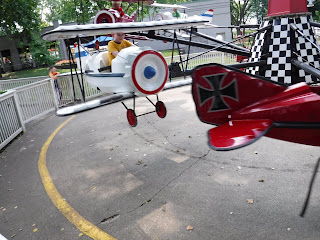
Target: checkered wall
{"x":305,"y":51}
{"x":279,"y":45}
{"x":256,"y":49}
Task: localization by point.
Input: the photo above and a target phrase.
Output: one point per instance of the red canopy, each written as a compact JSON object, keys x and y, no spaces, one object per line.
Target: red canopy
{"x":285,"y":7}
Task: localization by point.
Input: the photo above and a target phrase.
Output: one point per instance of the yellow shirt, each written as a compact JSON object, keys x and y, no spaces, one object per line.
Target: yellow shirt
{"x":113,"y":46}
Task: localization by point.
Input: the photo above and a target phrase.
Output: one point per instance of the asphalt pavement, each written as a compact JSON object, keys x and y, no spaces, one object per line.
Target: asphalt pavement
{"x":158,"y":180}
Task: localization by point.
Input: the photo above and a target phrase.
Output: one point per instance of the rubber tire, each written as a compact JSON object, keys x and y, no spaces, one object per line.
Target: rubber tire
{"x":132,"y":118}
{"x":161,"y":109}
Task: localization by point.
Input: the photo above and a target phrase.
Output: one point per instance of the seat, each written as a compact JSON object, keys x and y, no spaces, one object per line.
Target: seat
{"x":104,"y":62}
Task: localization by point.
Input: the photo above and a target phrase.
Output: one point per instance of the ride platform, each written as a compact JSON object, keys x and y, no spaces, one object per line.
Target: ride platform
{"x":159,"y":180}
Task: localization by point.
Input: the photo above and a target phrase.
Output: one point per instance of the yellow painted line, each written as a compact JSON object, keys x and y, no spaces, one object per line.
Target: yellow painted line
{"x":75,"y":218}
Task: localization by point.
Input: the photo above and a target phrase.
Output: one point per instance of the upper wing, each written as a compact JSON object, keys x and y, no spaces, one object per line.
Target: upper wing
{"x":237,"y":134}
{"x":64,"y":32}
{"x":161,"y":5}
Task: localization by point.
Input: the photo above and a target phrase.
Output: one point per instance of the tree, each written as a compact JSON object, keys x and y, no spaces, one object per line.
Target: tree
{"x":240,"y":11}
{"x":259,"y":9}
{"x":79,"y":11}
{"x":315,"y":10}
{"x":20,"y":17}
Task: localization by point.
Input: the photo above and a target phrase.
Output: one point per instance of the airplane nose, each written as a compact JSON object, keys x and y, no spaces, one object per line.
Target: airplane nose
{"x":149,"y":72}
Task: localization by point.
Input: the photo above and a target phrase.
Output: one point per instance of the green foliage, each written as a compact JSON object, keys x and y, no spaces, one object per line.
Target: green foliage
{"x":259,"y":9}
{"x":240,"y":11}
{"x":39,"y":50}
{"x":19,"y":17}
{"x":71,"y":10}
{"x":315,"y":10}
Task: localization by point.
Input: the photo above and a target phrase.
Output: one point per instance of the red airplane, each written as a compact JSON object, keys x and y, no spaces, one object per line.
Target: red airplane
{"x":246,"y":107}
{"x":274,"y":100}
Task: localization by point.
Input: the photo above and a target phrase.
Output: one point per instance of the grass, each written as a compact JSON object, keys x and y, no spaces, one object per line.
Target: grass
{"x":168,"y":53}
{"x":35,"y":72}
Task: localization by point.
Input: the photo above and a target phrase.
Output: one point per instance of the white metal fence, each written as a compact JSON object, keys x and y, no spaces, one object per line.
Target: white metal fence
{"x":210,"y":57}
{"x":31,"y":98}
{"x":23,"y":104}
{"x":14,"y":83}
{"x":11,"y":123}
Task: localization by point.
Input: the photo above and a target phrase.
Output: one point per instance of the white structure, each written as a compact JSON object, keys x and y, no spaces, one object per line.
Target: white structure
{"x":221,"y":17}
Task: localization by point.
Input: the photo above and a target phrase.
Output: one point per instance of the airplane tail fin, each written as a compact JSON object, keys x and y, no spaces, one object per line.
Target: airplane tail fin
{"x":208,"y":15}
{"x":219,"y":91}
{"x":83,"y":55}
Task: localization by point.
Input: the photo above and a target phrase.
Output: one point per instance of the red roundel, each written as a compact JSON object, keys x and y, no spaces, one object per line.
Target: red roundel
{"x":149,"y":72}
{"x":104,"y":16}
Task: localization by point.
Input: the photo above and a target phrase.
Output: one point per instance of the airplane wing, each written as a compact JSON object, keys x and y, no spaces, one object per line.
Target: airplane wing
{"x":238,"y":133}
{"x":65,"y":32}
{"x":161,"y":5}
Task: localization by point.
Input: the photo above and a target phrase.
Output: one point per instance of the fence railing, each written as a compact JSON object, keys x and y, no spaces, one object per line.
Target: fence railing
{"x":23,"y":104}
{"x":10,"y":118}
{"x":31,"y":98}
{"x":210,"y":57}
{"x":14,"y":83}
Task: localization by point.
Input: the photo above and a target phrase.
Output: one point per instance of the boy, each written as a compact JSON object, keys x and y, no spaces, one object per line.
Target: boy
{"x":115,"y":46}
{"x":54,"y":75}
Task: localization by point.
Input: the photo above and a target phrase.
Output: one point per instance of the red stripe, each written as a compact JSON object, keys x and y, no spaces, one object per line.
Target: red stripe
{"x":134,"y":76}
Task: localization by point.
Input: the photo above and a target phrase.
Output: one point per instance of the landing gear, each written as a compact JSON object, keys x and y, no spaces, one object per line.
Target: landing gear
{"x":132,"y":118}
{"x":160,"y":109}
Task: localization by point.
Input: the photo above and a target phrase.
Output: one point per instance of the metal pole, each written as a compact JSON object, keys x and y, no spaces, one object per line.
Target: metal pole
{"x":18,"y":109}
{"x":313,"y":71}
{"x":175,"y":36}
{"x":82,"y":85}
{"x":189,"y":47}
{"x":71,"y":59}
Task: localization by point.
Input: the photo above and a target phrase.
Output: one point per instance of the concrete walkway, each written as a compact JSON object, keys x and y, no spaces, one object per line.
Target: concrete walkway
{"x":158,"y":180}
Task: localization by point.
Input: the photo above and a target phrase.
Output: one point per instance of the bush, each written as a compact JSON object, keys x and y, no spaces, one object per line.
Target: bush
{"x":65,"y":62}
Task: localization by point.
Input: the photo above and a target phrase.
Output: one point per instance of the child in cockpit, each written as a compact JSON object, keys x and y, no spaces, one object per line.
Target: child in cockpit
{"x":115,"y":46}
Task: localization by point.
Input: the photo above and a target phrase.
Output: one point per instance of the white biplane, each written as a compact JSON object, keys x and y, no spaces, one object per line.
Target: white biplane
{"x":137,"y":71}
{"x":175,"y":14}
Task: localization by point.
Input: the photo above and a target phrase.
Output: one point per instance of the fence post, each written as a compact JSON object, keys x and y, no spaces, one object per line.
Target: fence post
{"x":71,"y":87}
{"x":18,"y":109}
{"x":223,"y":62}
{"x":54,"y":94}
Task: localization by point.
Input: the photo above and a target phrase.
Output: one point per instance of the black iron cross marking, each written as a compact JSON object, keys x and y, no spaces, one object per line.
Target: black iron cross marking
{"x":217,"y":92}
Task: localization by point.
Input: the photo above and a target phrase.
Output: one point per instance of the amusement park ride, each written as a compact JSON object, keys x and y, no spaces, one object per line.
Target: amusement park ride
{"x":275,"y":94}
{"x":271,"y":97}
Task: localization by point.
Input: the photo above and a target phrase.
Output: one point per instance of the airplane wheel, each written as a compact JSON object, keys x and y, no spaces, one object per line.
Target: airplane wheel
{"x":132,"y":118}
{"x":161,"y":109}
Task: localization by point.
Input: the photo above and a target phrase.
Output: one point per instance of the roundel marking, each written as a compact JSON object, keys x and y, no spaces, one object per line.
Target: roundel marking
{"x":134,"y":79}
{"x":149,"y":72}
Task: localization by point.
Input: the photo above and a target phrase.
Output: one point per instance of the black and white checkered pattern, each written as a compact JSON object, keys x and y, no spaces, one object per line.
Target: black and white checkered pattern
{"x":279,"y":60}
{"x":256,"y":49}
{"x":305,"y":51}
{"x":280,"y":45}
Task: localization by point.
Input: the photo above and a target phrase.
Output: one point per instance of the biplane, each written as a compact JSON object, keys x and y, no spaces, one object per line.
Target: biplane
{"x":137,"y":71}
{"x":175,"y":14}
{"x":278,"y":98}
{"x":116,"y":14}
